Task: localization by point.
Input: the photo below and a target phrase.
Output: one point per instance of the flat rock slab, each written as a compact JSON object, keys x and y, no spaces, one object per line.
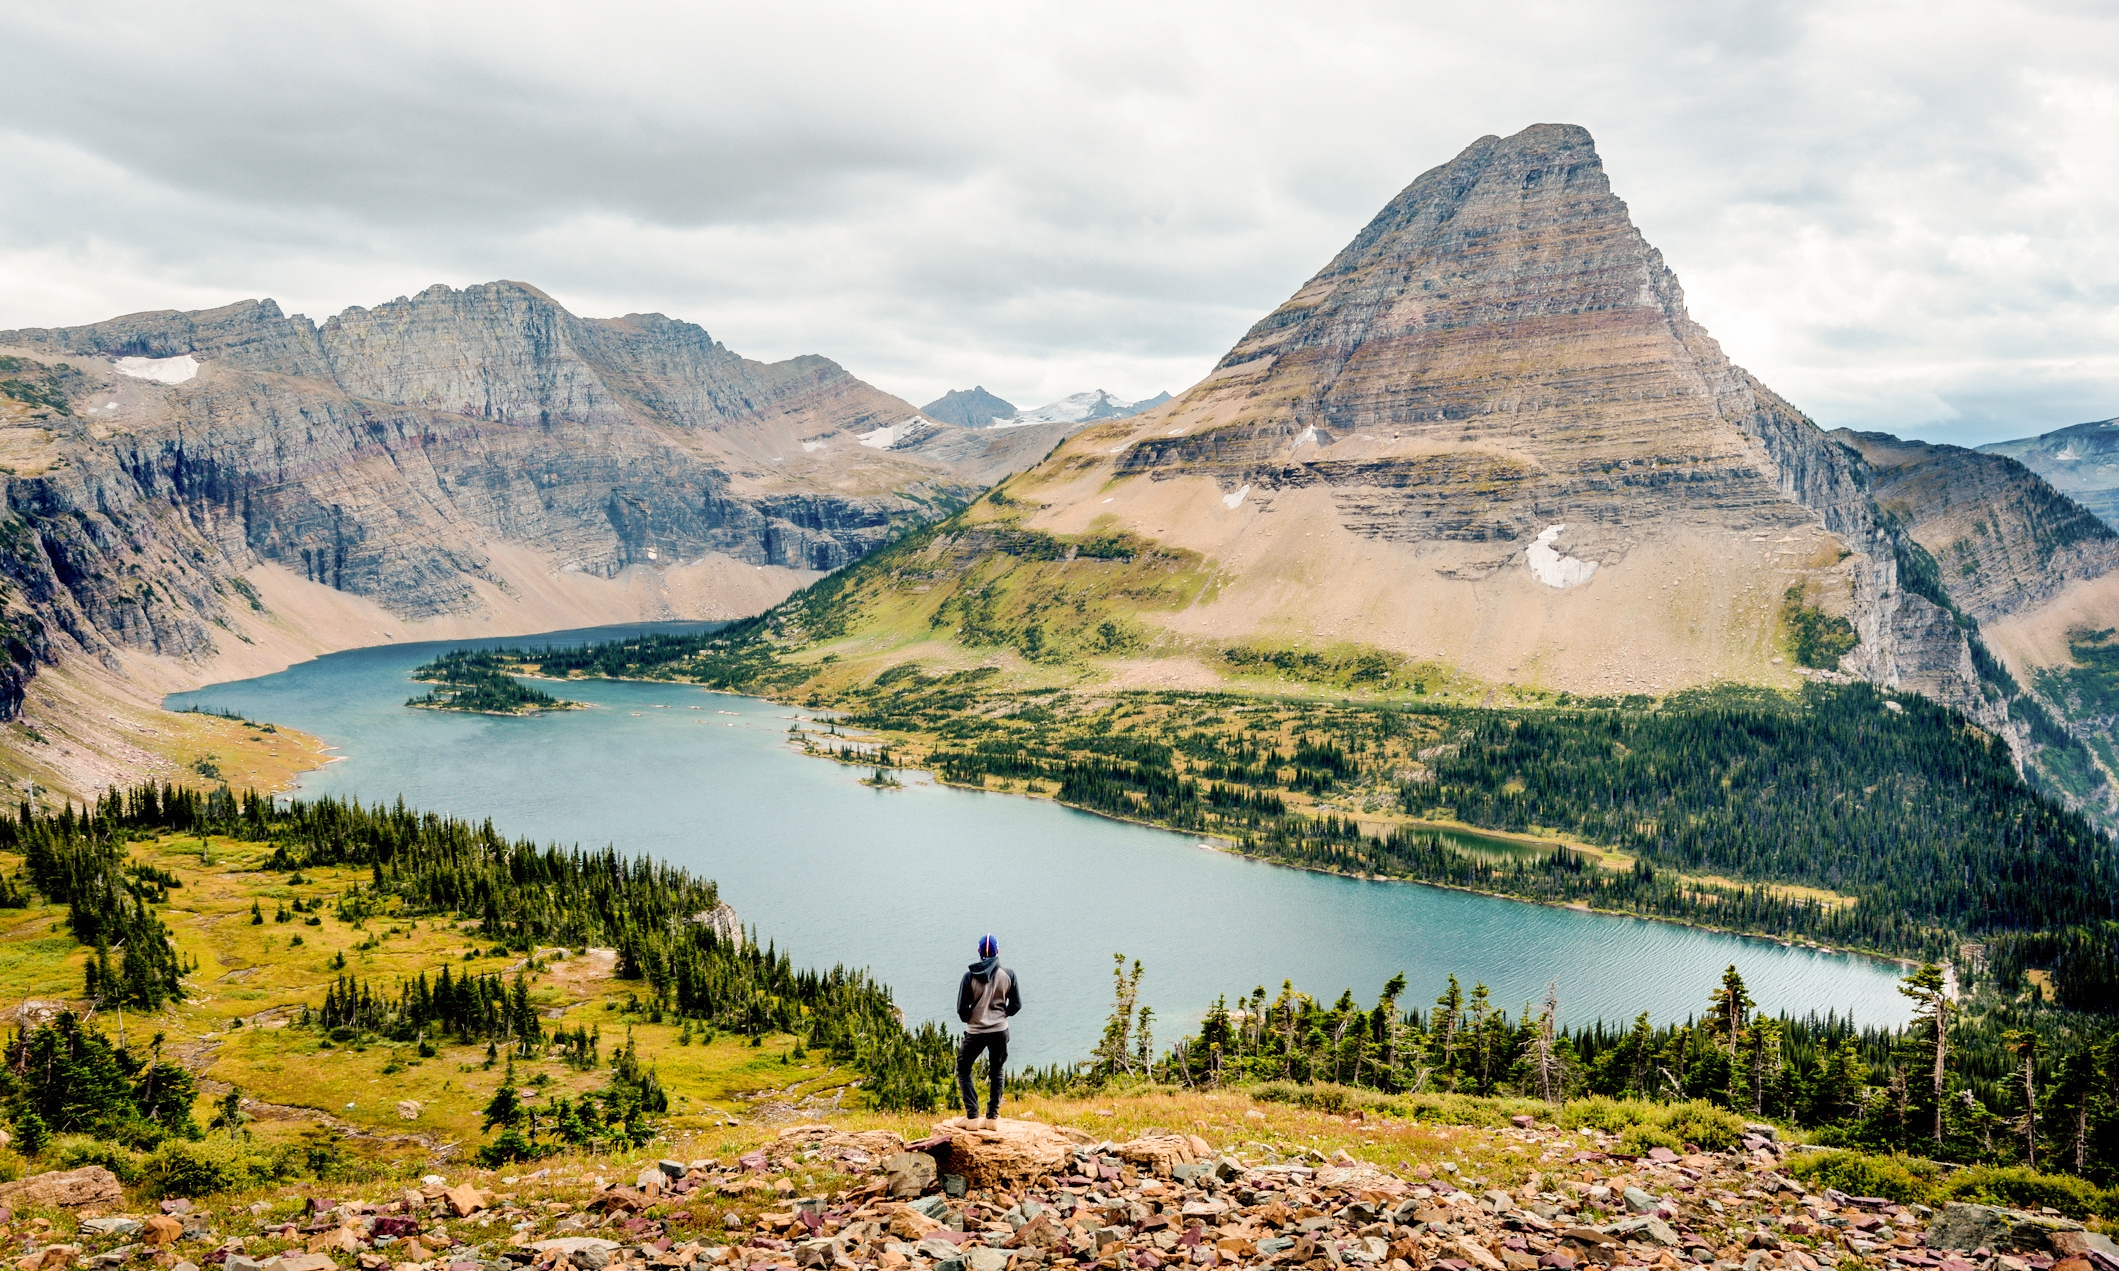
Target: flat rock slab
{"x":575,"y":1244}
{"x":1011,"y":1152}
{"x":67,"y":1189}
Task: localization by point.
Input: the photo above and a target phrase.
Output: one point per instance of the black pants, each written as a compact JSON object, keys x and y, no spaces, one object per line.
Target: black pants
{"x":995,"y":1046}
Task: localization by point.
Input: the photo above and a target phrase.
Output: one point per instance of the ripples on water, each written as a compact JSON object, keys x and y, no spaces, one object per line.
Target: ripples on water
{"x":905,"y":881}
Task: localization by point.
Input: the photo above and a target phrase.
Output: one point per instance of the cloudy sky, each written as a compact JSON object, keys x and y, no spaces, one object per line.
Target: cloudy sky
{"x":1901,"y":216}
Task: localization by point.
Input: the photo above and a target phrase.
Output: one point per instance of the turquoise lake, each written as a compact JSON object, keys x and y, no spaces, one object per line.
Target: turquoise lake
{"x":905,"y":881}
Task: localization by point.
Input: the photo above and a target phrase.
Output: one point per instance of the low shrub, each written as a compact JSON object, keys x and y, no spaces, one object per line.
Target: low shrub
{"x":1700,"y":1123}
{"x":12,"y":1166}
{"x":1641,"y":1124}
{"x":1464,"y":1109}
{"x":2021,"y":1188}
{"x":73,"y":1151}
{"x":1602,"y":1112}
{"x":211,"y":1165}
{"x":1635,"y":1140}
{"x":1909,"y":1180}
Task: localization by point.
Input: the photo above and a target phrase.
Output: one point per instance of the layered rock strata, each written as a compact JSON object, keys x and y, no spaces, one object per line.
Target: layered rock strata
{"x":456,"y":457}
{"x":2004,"y":541}
{"x":1489,"y":433}
{"x":2081,"y":461}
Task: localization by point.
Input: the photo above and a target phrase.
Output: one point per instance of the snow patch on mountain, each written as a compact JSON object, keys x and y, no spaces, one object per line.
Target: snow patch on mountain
{"x":892,"y":434}
{"x":1081,"y":408}
{"x":1553,"y":569}
{"x":162,"y":370}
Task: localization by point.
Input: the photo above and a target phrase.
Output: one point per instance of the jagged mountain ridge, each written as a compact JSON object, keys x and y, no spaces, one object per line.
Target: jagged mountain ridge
{"x":2081,"y":461}
{"x":1486,"y":435}
{"x":1083,"y":408}
{"x":460,"y":461}
{"x":2004,"y":540}
{"x":972,"y":407}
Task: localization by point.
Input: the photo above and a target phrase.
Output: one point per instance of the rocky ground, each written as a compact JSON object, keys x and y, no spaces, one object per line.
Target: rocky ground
{"x":1022,"y":1196}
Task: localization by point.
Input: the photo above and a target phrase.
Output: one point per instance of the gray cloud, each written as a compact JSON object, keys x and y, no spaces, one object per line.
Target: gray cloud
{"x":1901,"y":219}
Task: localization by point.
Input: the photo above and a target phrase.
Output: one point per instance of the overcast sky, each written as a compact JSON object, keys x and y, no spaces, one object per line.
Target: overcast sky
{"x":1900,"y":216}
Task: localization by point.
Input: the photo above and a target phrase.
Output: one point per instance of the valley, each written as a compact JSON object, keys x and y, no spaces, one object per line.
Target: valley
{"x":462,"y":731}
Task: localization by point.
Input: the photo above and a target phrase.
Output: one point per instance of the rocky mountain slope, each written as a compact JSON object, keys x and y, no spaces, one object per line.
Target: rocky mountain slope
{"x":1486,"y":439}
{"x":226,"y":490}
{"x":1993,"y":540}
{"x":2081,"y":461}
{"x":1081,"y":408}
{"x":2004,"y":540}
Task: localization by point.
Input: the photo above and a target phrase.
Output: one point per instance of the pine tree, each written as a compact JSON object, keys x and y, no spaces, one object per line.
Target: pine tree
{"x":1729,"y":1008}
{"x":2022,"y":1043}
{"x":1114,"y":1053}
{"x":1932,"y":1007}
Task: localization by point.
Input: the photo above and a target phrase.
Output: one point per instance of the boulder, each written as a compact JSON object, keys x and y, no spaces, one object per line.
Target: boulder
{"x":162,"y":1230}
{"x":911,"y":1225}
{"x":465,"y":1200}
{"x":1475,"y":1253}
{"x":574,"y":1244}
{"x":1012,"y":1152}
{"x":66,"y":1189}
{"x":1041,"y":1232}
{"x":408,"y":1109}
{"x":301,"y":1262}
{"x":910,"y":1174}
{"x":1965,"y":1227}
{"x":1157,"y":1154}
{"x":877,"y":1145}
{"x":336,"y":1240}
{"x":2094,"y":1247}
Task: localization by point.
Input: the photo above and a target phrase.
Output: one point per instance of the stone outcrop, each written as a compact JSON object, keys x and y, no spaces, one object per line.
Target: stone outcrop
{"x":1010,"y":1152}
{"x":66,"y":1189}
{"x":1581,"y":1199}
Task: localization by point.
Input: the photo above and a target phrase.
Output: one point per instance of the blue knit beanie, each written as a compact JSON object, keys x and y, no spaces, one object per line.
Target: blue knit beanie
{"x":988,"y":946}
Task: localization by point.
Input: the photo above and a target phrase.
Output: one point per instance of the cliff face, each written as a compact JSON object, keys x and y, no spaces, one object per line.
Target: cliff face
{"x":2081,"y":461}
{"x":2004,"y":541}
{"x":1492,"y":421}
{"x":434,"y":457}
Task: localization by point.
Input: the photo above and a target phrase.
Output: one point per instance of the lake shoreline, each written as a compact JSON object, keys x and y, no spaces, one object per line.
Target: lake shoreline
{"x":835,"y":867}
{"x":1230,"y":848}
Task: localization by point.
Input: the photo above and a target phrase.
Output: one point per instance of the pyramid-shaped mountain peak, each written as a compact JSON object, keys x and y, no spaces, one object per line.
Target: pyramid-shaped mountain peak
{"x":1487,"y":436}
{"x":1513,"y":240}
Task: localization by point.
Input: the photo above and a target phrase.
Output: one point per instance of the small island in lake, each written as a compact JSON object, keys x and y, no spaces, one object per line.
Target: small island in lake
{"x":471,"y":680}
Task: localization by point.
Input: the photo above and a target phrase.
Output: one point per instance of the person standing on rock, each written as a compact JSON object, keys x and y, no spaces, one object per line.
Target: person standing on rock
{"x":989,"y":994}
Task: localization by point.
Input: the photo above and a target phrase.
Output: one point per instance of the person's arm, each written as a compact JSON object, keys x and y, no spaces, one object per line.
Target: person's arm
{"x":1015,"y":993}
{"x":964,"y":1000}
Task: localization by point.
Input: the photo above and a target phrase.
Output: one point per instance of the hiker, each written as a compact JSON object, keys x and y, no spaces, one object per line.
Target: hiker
{"x":984,"y":1001}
